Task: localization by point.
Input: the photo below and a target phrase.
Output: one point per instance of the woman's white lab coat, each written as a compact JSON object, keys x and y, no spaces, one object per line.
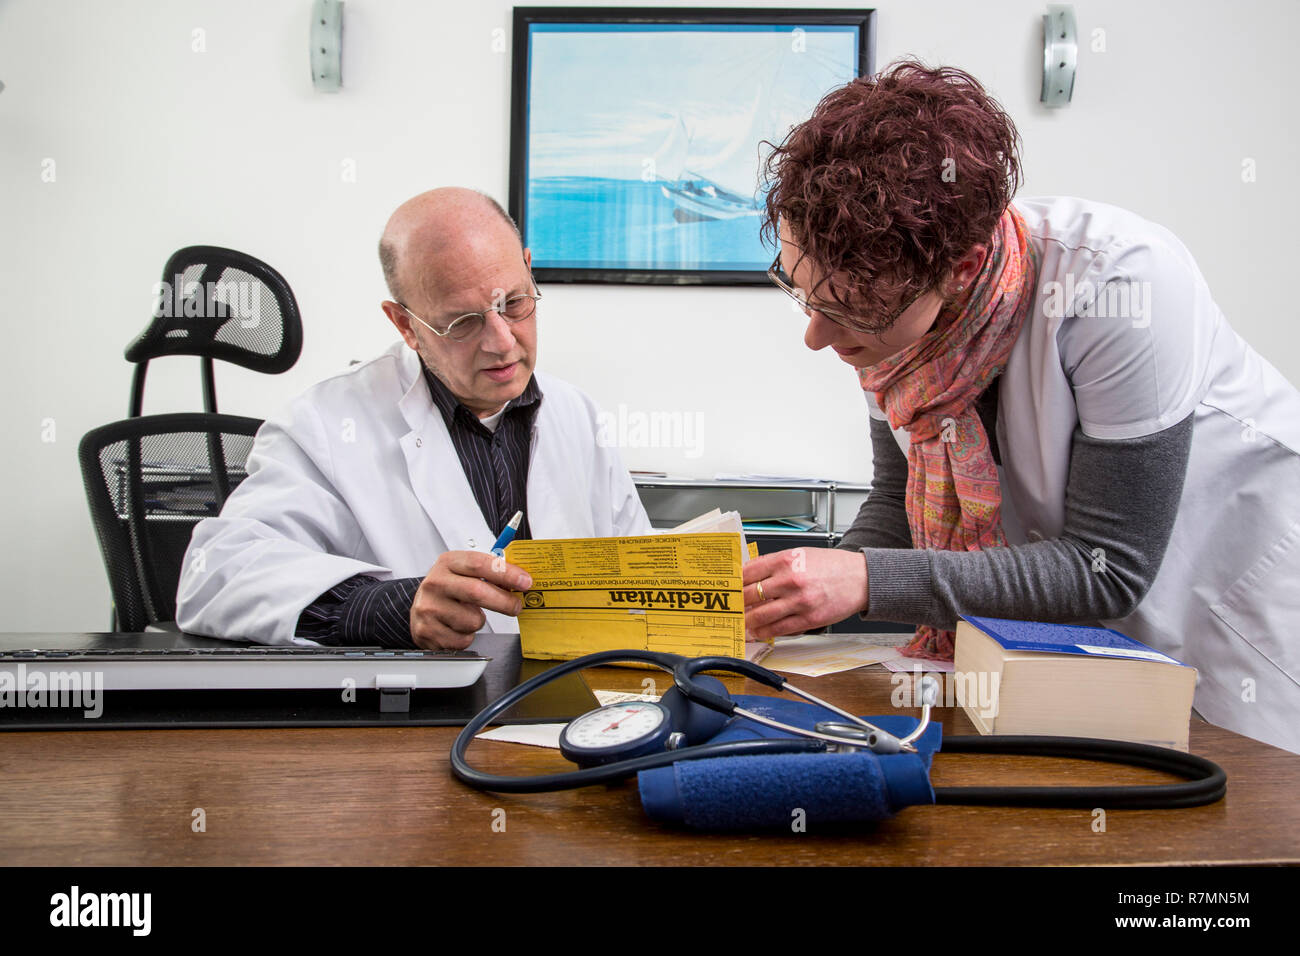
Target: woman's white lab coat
{"x":359,"y":476}
{"x":1126,"y":340}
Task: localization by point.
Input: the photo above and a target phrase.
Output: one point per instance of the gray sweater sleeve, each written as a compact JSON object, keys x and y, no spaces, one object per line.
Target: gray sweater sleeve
{"x":881,"y":522}
{"x":1120,"y":503}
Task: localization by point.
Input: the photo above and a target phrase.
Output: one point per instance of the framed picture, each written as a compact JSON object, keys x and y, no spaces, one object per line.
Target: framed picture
{"x":635,"y":145}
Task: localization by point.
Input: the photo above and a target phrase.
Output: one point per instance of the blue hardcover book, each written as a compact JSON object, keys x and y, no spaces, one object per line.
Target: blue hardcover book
{"x":1027,"y":677}
{"x":1066,"y":639}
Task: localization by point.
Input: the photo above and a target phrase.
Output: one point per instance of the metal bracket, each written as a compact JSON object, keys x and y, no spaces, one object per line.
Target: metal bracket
{"x":327,"y":45}
{"x":1060,"y":54}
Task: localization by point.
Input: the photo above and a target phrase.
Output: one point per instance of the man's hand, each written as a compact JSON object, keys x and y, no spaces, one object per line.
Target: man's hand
{"x":803,"y":589}
{"x":448,"y":607}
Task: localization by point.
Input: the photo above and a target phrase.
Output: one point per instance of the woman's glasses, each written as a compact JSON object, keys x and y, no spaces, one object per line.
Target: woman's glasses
{"x":782,"y":282}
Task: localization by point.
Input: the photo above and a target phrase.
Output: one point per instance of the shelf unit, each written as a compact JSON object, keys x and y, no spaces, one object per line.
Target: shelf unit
{"x":670,"y":501}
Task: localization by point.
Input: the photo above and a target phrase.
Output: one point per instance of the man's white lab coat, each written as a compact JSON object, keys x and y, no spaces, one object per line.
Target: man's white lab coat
{"x":359,"y":476}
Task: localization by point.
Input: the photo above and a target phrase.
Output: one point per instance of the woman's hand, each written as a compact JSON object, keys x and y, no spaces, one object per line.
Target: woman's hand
{"x":803,"y":589}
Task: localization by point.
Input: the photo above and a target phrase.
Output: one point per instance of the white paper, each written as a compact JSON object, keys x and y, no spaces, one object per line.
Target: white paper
{"x":814,"y":655}
{"x":534,"y":735}
{"x":1125,"y":652}
{"x":910,"y":664}
{"x":607,"y":697}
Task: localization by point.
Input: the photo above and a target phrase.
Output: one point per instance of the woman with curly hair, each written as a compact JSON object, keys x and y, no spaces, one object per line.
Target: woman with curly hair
{"x":1064,"y":426}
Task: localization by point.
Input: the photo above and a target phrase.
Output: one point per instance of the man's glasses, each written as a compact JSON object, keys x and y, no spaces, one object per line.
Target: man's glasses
{"x":464,"y":327}
{"x":782,"y":281}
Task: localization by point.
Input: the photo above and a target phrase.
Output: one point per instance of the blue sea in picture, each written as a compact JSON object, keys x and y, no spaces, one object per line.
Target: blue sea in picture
{"x":644,"y":141}
{"x":583,"y":222}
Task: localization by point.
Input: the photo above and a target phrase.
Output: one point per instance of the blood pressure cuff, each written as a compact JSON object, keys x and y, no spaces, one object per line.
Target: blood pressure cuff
{"x":778,"y":790}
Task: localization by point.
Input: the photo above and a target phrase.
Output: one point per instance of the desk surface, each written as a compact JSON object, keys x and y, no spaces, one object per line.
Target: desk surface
{"x":380,"y":795}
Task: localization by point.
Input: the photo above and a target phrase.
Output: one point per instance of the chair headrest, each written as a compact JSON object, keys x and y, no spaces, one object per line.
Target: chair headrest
{"x":225,"y":305}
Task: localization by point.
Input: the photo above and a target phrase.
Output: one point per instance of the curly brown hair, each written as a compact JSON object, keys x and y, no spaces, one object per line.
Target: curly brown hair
{"x":892,"y":180}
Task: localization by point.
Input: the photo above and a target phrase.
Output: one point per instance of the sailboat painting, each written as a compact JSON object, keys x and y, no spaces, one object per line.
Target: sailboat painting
{"x":643,"y":142}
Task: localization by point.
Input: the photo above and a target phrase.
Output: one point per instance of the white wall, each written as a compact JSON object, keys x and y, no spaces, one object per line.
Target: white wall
{"x":157,"y":146}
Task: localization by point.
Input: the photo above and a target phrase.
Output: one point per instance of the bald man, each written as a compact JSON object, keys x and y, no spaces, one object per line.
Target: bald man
{"x":372,"y":502}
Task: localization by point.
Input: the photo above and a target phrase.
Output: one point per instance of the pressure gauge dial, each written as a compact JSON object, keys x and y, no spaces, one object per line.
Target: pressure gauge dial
{"x":617,"y":732}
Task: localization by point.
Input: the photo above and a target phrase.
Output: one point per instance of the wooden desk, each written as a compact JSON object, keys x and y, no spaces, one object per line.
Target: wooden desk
{"x":381,"y":795}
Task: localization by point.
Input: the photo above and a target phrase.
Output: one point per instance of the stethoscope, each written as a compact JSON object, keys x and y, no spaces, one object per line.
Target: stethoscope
{"x":619,"y":740}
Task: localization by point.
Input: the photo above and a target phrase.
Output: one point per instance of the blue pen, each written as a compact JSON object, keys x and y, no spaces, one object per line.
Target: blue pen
{"x":508,"y":535}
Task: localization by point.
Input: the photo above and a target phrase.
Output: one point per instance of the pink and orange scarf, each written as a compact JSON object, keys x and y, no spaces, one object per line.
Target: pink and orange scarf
{"x":954,"y":501}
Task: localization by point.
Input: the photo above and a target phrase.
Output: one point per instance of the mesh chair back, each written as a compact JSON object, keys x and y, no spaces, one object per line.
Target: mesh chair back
{"x":222,"y":304}
{"x":149,"y":481}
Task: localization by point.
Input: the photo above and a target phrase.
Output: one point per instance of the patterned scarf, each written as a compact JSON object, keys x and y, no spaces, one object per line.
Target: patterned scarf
{"x":954,"y":501}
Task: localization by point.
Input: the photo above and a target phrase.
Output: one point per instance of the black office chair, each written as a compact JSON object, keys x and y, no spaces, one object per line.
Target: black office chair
{"x":149,"y":481}
{"x":150,"y":478}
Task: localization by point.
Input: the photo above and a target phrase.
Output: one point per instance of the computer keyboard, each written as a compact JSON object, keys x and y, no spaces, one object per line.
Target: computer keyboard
{"x":246,"y":667}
